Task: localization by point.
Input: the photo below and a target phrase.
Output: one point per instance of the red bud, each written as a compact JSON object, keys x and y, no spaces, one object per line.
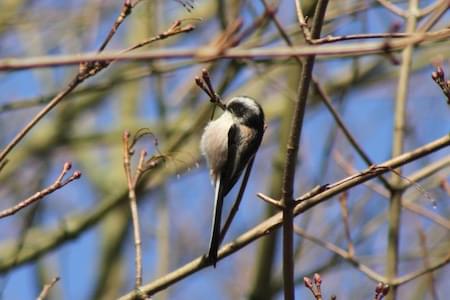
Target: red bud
{"x":308,"y":282}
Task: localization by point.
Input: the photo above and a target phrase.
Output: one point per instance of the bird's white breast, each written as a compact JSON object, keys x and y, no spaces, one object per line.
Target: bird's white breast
{"x":214,"y":143}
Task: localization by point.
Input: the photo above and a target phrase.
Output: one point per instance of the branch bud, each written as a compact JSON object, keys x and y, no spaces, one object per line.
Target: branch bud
{"x":308,"y":282}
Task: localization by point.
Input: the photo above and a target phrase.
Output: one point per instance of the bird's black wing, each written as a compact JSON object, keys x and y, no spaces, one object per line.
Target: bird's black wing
{"x":230,"y":174}
{"x":238,"y":144}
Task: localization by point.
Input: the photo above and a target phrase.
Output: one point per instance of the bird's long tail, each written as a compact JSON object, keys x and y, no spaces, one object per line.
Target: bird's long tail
{"x":216,"y":224}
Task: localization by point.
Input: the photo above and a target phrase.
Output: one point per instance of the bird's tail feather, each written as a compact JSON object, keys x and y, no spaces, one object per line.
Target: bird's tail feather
{"x":216,"y":224}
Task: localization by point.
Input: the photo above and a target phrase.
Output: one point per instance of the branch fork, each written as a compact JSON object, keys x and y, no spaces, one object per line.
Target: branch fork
{"x":143,"y":166}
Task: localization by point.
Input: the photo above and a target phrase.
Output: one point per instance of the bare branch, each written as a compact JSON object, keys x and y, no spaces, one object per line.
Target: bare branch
{"x":210,"y":52}
{"x":413,"y":275}
{"x":133,"y":207}
{"x":271,"y":201}
{"x":56,"y":185}
{"x":342,"y":253}
{"x":132,"y":181}
{"x":413,"y":207}
{"x":290,"y":163}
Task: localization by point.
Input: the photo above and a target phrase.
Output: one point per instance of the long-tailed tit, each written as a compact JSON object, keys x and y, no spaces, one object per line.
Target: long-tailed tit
{"x":229,"y":143}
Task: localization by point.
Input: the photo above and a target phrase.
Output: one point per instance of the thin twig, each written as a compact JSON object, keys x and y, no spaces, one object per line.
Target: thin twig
{"x":302,"y":21}
{"x":413,"y":275}
{"x":361,"y":36}
{"x":132,"y":182}
{"x":56,"y":185}
{"x":133,"y":206}
{"x":125,"y":11}
{"x":430,"y":215}
{"x":366,"y":270}
{"x":271,"y":11}
{"x":174,"y":29}
{"x":413,"y":207}
{"x":46,"y":289}
{"x":140,"y":167}
{"x":271,"y":201}
{"x":427,"y":171}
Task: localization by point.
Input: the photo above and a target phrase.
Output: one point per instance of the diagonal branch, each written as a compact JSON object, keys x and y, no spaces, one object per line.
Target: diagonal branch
{"x":59,"y":183}
{"x":413,"y":275}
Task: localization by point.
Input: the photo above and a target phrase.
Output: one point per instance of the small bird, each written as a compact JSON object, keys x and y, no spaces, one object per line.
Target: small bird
{"x":229,"y":143}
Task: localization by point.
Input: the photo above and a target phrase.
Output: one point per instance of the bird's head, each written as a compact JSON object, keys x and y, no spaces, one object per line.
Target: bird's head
{"x":246,"y":111}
